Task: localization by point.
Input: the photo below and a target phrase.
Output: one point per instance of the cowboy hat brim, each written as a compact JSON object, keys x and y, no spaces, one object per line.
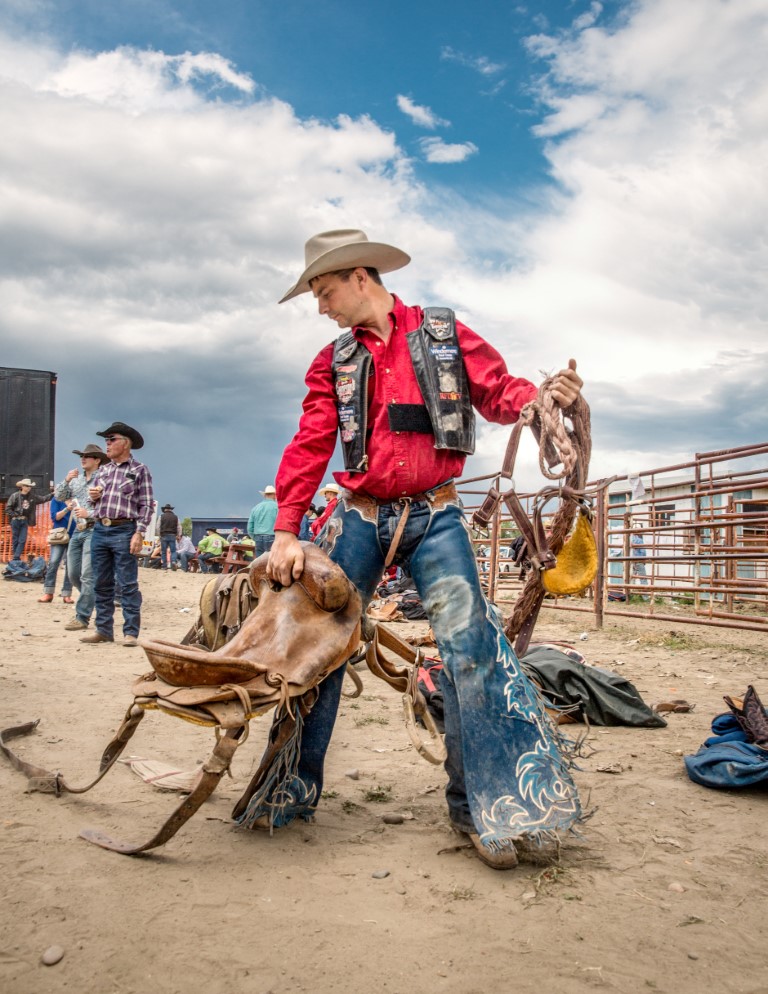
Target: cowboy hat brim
{"x":372,"y":255}
{"x":94,"y":453}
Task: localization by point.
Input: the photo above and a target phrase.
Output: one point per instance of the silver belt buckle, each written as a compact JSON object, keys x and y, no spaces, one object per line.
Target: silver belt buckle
{"x":106,"y":522}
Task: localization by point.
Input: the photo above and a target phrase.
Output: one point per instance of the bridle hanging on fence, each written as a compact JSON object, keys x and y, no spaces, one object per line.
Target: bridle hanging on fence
{"x":570,"y":448}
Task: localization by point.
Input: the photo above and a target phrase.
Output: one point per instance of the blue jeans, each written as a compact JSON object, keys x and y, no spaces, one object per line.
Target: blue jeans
{"x":112,"y":560}
{"x":184,"y":558}
{"x":263,"y":543}
{"x":19,"y":529}
{"x":58,"y":555}
{"x":167,"y":545}
{"x":80,"y":572}
{"x":507,"y":776}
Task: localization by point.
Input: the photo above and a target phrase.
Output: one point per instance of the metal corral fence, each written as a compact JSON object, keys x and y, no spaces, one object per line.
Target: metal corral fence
{"x":686,"y":543}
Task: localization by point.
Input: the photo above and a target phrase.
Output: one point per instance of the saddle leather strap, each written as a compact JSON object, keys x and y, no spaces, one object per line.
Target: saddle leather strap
{"x":47,"y":782}
{"x":217,"y":764}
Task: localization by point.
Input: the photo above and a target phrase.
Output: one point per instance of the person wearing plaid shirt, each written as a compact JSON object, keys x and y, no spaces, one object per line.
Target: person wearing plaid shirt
{"x":123,"y":504}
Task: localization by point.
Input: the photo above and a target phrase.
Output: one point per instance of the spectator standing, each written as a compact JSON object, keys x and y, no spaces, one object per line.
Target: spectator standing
{"x":185,"y":550}
{"x":305,"y":531}
{"x":637,"y":553}
{"x":330,"y":494}
{"x":21,"y":508}
{"x":261,"y":523}
{"x":123,"y":501}
{"x":74,"y":490}
{"x":60,"y":518}
{"x":169,"y":532}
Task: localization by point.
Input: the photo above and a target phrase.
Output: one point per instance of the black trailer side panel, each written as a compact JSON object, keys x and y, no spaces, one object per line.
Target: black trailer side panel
{"x":27,"y":427}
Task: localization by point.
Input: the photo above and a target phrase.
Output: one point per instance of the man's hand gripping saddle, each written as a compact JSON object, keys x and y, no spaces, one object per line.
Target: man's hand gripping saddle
{"x":290,"y":641}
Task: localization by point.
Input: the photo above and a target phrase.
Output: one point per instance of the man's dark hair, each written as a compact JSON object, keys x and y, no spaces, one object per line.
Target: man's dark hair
{"x":344,"y":274}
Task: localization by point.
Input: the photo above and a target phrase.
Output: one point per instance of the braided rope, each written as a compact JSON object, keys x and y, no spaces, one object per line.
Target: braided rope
{"x":574,"y":447}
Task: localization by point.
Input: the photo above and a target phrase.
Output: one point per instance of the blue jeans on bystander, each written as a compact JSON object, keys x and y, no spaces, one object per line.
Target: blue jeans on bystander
{"x":168,"y":557}
{"x":81,"y":573}
{"x":113,"y":561}
{"x":19,"y":529}
{"x":57,"y":557}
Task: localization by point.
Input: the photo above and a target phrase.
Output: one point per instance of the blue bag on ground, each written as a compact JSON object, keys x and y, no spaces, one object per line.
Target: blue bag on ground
{"x":736,"y":754}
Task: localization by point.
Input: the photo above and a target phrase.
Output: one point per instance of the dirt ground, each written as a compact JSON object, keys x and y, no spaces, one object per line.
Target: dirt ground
{"x":666,"y":891}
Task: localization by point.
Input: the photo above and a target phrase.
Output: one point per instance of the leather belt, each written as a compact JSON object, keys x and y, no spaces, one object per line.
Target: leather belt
{"x":446,"y":491}
{"x":111,"y":522}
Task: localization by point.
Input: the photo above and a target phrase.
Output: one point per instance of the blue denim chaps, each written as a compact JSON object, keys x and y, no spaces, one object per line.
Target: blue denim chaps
{"x":80,"y":572}
{"x":507,"y":765}
{"x":113,"y":563}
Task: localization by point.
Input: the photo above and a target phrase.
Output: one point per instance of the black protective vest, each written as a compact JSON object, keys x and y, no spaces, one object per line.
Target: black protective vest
{"x":439,"y":367}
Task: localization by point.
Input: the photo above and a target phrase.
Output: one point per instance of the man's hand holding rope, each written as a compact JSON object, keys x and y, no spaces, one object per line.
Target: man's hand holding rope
{"x":566,"y":385}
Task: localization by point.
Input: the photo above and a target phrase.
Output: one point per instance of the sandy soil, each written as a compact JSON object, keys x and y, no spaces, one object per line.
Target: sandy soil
{"x":666,"y":891}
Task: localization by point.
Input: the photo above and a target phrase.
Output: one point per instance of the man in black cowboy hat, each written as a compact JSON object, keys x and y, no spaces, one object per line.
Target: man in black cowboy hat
{"x":169,"y":532}
{"x":73,"y":489}
{"x":123,"y":505}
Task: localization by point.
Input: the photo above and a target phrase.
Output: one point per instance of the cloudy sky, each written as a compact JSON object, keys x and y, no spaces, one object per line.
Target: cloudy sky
{"x":575,"y":178}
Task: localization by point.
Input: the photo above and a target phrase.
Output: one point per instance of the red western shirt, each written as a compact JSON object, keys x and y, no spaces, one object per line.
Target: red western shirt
{"x":399,"y":463}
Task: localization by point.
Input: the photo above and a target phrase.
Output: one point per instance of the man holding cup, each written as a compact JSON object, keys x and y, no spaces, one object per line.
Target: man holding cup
{"x":123,"y":505}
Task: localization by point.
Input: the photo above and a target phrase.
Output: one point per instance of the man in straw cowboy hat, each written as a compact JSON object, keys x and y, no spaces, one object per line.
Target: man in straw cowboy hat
{"x":73,"y":489}
{"x":330,"y":494}
{"x":21,"y":508}
{"x":400,"y":385}
{"x":261,"y":521}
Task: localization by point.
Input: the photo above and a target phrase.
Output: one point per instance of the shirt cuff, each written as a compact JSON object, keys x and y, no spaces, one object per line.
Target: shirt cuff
{"x":288,"y":520}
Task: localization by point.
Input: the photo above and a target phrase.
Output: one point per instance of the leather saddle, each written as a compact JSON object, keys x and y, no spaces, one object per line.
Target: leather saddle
{"x":288,"y":643}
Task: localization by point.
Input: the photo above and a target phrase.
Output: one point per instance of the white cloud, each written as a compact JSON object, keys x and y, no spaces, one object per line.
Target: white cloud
{"x":588,"y":18}
{"x":424,"y":117}
{"x":136,"y":80}
{"x":154,"y":207}
{"x":437,"y":151}
{"x":479,"y":63}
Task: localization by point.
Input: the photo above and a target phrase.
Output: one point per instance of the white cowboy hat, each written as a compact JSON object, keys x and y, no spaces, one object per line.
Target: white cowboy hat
{"x":26,"y":482}
{"x":269,"y":489}
{"x":344,"y":249}
{"x":333,"y":488}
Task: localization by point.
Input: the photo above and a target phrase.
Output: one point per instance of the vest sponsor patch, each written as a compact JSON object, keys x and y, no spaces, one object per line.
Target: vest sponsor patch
{"x":345,"y":388}
{"x":348,"y":423}
{"x":450,"y":396}
{"x":439,"y":327}
{"x":347,"y":369}
{"x":444,"y":353}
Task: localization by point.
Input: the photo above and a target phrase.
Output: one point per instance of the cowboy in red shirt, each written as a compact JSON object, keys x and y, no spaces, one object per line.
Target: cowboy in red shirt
{"x":400,"y":387}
